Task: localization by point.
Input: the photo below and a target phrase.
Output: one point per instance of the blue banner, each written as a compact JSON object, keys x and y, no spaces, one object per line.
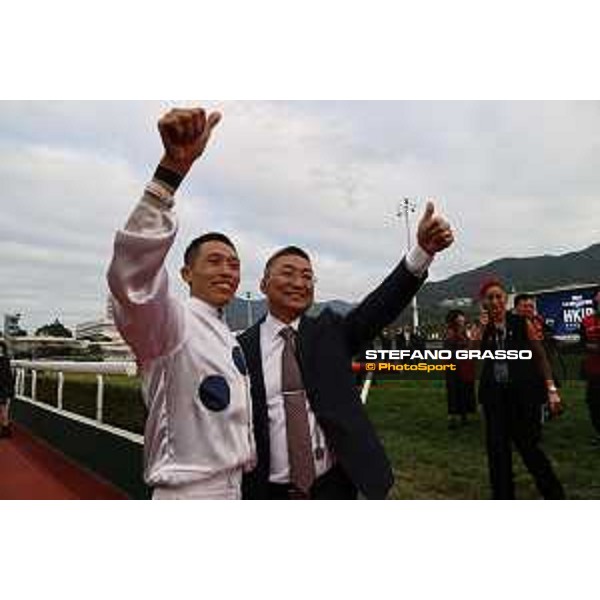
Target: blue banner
{"x":563,"y":311}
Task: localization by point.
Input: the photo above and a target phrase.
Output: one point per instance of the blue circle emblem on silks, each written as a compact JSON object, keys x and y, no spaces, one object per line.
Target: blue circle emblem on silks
{"x":214,"y":393}
{"x":239,"y":360}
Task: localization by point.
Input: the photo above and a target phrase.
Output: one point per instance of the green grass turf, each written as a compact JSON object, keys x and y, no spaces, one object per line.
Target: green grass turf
{"x":431,"y":461}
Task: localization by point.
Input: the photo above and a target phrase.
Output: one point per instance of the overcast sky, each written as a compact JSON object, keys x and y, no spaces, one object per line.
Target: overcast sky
{"x":514,"y":178}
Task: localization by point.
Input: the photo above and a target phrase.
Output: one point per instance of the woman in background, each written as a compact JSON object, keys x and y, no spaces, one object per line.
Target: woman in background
{"x":460,"y":384}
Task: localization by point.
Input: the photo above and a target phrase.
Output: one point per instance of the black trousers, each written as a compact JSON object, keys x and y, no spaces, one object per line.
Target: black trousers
{"x":333,"y":485}
{"x":461,"y":396}
{"x":593,"y":401}
{"x":513,"y":417}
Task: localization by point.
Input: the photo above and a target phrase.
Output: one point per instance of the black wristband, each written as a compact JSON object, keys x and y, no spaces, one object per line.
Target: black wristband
{"x":171,"y":178}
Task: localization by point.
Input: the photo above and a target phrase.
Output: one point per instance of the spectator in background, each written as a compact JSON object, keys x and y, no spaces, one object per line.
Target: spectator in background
{"x":590,"y":339}
{"x":6,"y":390}
{"x":510,"y":406}
{"x":524,"y":306}
{"x":460,"y":384}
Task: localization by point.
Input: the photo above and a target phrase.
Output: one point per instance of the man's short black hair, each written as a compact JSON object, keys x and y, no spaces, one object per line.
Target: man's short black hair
{"x":192,"y":250}
{"x":287,"y":251}
{"x":522,"y":298}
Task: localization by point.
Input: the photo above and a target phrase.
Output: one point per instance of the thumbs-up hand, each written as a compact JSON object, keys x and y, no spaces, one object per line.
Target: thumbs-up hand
{"x":185,"y":134}
{"x":434,"y":233}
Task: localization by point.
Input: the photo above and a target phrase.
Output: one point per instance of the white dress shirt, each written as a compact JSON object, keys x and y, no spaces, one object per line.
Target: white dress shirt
{"x":271,"y":346}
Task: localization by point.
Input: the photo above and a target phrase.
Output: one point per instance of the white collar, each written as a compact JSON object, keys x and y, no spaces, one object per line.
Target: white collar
{"x":204,"y":308}
{"x":274,"y":326}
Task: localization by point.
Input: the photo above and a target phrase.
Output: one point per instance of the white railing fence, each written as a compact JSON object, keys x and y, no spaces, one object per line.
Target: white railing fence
{"x":100,"y":369}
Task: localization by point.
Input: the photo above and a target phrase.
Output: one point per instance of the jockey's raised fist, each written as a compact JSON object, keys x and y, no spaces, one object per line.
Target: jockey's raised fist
{"x":185,"y":134}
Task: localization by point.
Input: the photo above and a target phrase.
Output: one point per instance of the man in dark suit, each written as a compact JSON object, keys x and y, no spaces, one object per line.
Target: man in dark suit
{"x":313,"y":438}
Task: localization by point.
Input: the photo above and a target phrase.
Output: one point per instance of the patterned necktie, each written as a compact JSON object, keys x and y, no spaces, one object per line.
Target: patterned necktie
{"x":302,"y":467}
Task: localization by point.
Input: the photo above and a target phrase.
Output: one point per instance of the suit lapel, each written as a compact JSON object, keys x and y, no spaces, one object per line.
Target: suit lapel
{"x":250,"y":341}
{"x":254,"y":359}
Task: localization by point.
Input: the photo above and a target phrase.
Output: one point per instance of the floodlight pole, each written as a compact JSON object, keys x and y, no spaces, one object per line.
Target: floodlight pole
{"x":405,"y":209}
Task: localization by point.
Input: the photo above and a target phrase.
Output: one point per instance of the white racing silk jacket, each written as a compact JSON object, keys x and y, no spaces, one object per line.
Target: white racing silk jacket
{"x":194,"y":377}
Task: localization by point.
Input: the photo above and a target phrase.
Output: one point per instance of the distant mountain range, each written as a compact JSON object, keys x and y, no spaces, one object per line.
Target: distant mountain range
{"x":520,"y":274}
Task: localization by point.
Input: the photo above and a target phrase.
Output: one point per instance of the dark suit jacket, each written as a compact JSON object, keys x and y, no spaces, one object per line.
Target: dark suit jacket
{"x":326,"y":345}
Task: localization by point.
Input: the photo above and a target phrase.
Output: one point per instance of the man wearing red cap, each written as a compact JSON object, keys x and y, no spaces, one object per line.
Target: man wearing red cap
{"x":506,"y":391}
